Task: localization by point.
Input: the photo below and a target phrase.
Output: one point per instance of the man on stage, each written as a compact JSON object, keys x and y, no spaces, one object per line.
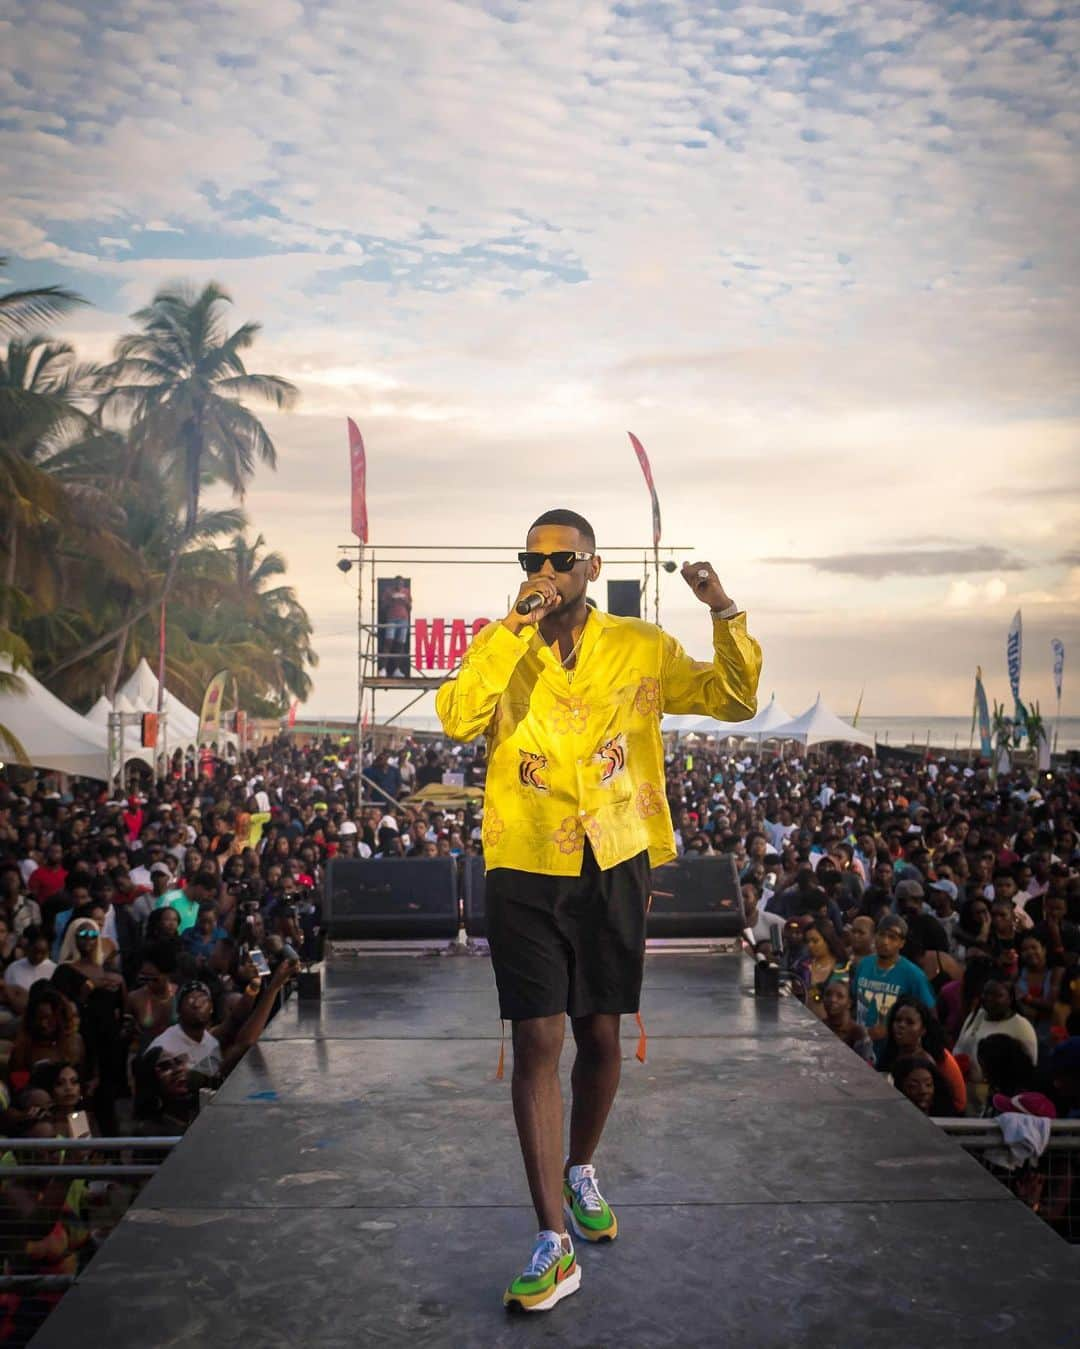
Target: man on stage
{"x":575,"y":814}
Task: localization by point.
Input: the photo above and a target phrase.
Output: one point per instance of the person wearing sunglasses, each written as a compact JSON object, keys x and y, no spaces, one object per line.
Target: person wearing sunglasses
{"x":570,"y":700}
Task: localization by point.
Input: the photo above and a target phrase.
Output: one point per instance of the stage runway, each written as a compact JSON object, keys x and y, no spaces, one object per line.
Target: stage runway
{"x":357,"y":1182}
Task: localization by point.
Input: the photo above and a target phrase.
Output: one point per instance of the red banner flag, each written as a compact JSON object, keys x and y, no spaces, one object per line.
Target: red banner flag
{"x":292,"y":712}
{"x":643,"y":460}
{"x":358,"y":469}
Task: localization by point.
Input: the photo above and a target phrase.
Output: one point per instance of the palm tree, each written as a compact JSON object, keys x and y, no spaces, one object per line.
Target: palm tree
{"x":181,"y":380}
{"x":270,"y":619}
{"x":21,"y":310}
{"x":41,"y":388}
{"x":20,"y":486}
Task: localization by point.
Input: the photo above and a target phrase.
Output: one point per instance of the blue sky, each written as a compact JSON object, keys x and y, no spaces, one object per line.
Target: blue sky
{"x":821,"y":257}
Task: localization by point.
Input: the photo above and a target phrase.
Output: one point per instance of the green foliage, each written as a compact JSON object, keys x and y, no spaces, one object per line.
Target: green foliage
{"x":102,"y":477}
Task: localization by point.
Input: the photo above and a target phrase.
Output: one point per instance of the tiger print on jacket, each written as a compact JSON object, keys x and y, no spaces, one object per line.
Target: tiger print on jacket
{"x":529,"y":770}
{"x":612,"y":754}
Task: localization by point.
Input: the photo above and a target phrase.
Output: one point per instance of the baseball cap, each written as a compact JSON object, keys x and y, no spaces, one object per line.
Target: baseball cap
{"x":347,"y":827}
{"x":192,"y":986}
{"x":909,"y":890}
{"x":945,"y":887}
{"x":1025,"y":1103}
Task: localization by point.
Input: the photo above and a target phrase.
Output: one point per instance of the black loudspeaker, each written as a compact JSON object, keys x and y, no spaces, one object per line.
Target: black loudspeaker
{"x":691,"y":897}
{"x":397,"y":898}
{"x":624,"y":598}
{"x":473,"y":896}
{"x":696,"y":897}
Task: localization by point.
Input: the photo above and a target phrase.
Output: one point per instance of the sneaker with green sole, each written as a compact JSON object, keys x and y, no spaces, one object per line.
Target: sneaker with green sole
{"x":550,"y":1275}
{"x":588,"y":1214}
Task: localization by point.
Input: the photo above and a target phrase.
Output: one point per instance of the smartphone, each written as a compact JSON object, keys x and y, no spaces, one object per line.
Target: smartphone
{"x":79,"y":1124}
{"x":260,"y":962}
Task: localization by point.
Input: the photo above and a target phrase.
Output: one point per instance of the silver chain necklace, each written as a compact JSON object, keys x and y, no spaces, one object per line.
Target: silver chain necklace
{"x":570,"y":656}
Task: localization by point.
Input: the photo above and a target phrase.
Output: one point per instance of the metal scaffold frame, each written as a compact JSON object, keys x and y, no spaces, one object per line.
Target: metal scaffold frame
{"x":359,"y":556}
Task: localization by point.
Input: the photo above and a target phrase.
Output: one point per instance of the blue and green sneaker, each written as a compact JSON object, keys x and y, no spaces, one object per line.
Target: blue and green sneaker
{"x":587,"y":1211}
{"x":550,"y":1275}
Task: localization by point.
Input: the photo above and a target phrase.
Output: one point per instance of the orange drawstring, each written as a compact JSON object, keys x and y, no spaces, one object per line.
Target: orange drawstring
{"x":642,"y":1040}
{"x":502,"y":1053}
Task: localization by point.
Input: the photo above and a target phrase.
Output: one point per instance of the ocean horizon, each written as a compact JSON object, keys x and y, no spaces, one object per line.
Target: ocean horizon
{"x":948,"y":733}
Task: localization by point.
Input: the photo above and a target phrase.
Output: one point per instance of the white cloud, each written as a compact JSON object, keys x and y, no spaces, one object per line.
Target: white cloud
{"x":829,"y":251}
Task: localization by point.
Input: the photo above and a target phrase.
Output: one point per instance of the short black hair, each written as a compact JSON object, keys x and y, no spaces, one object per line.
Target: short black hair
{"x":559,"y":516}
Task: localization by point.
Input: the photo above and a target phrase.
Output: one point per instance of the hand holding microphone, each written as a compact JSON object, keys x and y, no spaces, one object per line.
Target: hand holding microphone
{"x":536,"y":598}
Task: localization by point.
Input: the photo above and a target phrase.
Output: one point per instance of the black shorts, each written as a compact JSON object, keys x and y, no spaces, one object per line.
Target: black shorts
{"x":568,"y":944}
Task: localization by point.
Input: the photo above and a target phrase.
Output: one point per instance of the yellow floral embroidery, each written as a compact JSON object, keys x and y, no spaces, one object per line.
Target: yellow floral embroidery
{"x":570,"y":835}
{"x":647,"y":697}
{"x":593,"y":828}
{"x":570,"y":715}
{"x":492,"y":828}
{"x":648,"y":801}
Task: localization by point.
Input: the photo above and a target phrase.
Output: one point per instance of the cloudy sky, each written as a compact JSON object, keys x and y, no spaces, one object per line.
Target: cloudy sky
{"x":821,"y":257}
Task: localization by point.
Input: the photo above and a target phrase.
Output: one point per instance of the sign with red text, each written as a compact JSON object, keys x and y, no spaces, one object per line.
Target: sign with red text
{"x":440,"y":643}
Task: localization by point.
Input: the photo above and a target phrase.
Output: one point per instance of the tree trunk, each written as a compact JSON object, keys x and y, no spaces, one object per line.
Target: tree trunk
{"x":118,"y":664}
{"x":98,"y":643}
{"x":9,"y":574}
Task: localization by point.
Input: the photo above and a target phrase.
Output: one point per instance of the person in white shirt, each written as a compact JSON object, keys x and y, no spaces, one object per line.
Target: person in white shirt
{"x":191,"y":1035}
{"x":764,"y":925}
{"x":21,"y":975}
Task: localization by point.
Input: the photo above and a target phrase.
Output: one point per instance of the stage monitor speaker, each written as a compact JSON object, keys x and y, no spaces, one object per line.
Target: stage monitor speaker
{"x":696,"y":897}
{"x":472,"y":894}
{"x":624,"y":598}
{"x":691,"y":897}
{"x":391,"y":898}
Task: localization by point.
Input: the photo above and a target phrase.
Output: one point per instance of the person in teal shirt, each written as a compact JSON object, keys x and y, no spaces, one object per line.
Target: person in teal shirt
{"x":201,"y":889}
{"x":881,"y":978}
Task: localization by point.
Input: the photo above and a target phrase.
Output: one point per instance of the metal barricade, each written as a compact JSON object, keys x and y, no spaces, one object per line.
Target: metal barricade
{"x":59,"y":1200}
{"x":1050,"y":1186}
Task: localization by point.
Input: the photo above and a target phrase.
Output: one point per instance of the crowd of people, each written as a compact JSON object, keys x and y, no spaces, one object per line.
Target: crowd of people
{"x":929,"y":917}
{"x":928,"y":914}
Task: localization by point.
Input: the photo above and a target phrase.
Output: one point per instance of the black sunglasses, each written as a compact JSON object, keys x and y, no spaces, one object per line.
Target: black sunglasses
{"x":561,"y":561}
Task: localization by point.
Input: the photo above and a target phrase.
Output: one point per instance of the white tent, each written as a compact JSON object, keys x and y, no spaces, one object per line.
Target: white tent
{"x":141,"y":690}
{"x":759,"y":727}
{"x":99,"y":713}
{"x":762,"y":726}
{"x":818,"y":726}
{"x":54,"y":735}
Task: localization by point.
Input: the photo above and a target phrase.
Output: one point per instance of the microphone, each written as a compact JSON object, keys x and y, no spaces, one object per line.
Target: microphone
{"x":530,"y":603}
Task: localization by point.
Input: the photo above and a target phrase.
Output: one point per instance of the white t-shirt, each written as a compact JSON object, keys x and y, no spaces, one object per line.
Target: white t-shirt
{"x":21,"y":974}
{"x":204,"y":1054}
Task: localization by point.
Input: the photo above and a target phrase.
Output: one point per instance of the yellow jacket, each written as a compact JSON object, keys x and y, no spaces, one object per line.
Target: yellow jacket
{"x":570,"y":760}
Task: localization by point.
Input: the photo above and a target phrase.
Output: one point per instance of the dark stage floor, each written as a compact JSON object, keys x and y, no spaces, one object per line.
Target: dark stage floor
{"x":357,"y":1182}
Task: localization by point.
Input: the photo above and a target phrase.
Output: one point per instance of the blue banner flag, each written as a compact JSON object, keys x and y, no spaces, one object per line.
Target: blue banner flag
{"x":1014,"y":650}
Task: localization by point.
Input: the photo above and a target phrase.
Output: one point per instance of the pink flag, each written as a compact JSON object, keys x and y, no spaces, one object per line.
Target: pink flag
{"x":292,"y":712}
{"x":643,"y":460}
{"x":358,"y":467}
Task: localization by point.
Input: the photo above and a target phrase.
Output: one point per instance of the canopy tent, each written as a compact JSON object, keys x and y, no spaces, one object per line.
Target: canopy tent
{"x":759,"y":727}
{"x":762,"y":726}
{"x":54,"y":736}
{"x":99,"y":713}
{"x":818,"y":726}
{"x":141,"y":690}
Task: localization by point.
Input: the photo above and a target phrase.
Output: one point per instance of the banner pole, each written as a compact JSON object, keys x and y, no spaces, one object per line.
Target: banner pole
{"x":360,"y":674}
